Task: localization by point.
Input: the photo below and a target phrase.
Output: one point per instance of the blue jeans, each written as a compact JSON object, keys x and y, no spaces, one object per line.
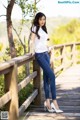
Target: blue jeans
{"x":43,"y":60}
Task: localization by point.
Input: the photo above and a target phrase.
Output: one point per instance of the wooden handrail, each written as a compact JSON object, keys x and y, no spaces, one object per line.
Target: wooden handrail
{"x":64,"y":55}
{"x":10,"y":98}
{"x":9,"y":69}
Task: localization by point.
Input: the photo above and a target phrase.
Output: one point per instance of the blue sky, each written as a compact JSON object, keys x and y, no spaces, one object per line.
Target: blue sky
{"x":51,"y":8}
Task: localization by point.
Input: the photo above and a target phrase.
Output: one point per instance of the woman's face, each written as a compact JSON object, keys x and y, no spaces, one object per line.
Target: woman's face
{"x":42,"y":21}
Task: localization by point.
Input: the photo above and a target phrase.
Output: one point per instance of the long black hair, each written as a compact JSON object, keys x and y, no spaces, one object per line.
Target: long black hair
{"x":36,"y":23}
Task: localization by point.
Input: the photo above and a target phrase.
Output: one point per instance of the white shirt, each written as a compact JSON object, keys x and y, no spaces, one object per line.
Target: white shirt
{"x":40,"y":45}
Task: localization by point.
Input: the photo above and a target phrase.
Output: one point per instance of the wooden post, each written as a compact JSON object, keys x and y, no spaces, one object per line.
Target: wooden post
{"x":37,"y":82}
{"x":61,"y":53}
{"x":12,"y":86}
{"x":73,"y":49}
{"x":51,"y":54}
{"x":64,"y":57}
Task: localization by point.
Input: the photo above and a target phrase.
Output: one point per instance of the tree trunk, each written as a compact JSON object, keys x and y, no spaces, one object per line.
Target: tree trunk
{"x":9,"y":29}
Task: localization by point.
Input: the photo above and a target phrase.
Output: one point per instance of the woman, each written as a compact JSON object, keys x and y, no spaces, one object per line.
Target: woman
{"x":39,"y":37}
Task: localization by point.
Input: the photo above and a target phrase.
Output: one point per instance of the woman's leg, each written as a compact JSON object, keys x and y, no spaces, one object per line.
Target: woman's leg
{"x":46,"y":79}
{"x":46,"y":85}
{"x":48,"y":71}
{"x":48,"y":60}
{"x":41,"y":59}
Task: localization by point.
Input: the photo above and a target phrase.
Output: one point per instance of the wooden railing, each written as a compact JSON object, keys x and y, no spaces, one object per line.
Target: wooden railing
{"x":10,"y":98}
{"x":64,"y":56}
{"x":10,"y":71}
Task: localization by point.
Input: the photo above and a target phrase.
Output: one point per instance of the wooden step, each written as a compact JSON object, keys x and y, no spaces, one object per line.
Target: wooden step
{"x":51,"y":116}
{"x":69,"y":109}
{"x":68,"y":97}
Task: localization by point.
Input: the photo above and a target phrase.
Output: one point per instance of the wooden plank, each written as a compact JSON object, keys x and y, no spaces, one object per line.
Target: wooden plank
{"x":66,"y":45}
{"x":50,"y":116}
{"x":28,"y":101}
{"x":26,"y":80}
{"x":41,"y":107}
{"x":62,"y":107}
{"x":58,"y":69}
{"x":65,"y":99}
{"x":77,"y":43}
{"x":53,"y":114}
{"x":11,"y":85}
{"x":42,"y":115}
{"x":74,"y":54}
{"x":69,"y":85}
{"x":5,"y":71}
{"x":58,"y":58}
{"x":68,"y":103}
{"x":24,"y":62}
{"x":64,"y":90}
{"x":67,"y":94}
{"x":69,"y":54}
{"x":37,"y":82}
{"x":72,"y":114}
{"x":5,"y":99}
{"x":23,"y":59}
{"x":68,"y":97}
{"x":68,"y":82}
{"x":69,"y":109}
{"x":6,"y":65}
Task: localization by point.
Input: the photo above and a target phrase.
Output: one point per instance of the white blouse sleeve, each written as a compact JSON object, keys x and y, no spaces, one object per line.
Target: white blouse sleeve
{"x":33,"y":29}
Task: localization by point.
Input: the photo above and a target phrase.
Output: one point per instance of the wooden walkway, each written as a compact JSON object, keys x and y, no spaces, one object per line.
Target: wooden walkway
{"x":68,"y":96}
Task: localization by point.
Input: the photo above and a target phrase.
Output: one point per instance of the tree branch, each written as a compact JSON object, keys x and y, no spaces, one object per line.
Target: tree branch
{"x":18,"y":36}
{"x":2,"y":15}
{"x":37,"y":1}
{"x":4,"y":6}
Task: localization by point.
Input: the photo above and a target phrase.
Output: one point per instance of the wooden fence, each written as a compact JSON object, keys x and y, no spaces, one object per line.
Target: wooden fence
{"x":66,"y":55}
{"x":10,"y":71}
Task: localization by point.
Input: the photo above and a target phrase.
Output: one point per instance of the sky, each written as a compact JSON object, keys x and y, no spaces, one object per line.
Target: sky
{"x":52,"y":8}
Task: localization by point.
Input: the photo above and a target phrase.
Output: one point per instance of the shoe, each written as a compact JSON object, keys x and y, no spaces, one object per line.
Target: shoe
{"x":47,"y":109}
{"x":56,"y":110}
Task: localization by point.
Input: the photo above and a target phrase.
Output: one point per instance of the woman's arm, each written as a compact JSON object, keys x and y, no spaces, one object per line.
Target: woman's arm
{"x":33,"y":35}
{"x":48,"y":46}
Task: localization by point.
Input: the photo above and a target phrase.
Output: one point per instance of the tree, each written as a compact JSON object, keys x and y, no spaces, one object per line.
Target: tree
{"x":9,"y":28}
{"x":28,"y":9}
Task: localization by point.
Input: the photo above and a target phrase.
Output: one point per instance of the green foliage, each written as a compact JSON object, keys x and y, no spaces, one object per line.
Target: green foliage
{"x":62,"y":34}
{"x":24,"y":93}
{"x":67,"y":33}
{"x":28,"y":7}
{"x":19,"y":48}
{"x":1,"y":46}
{"x":1,"y":85}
